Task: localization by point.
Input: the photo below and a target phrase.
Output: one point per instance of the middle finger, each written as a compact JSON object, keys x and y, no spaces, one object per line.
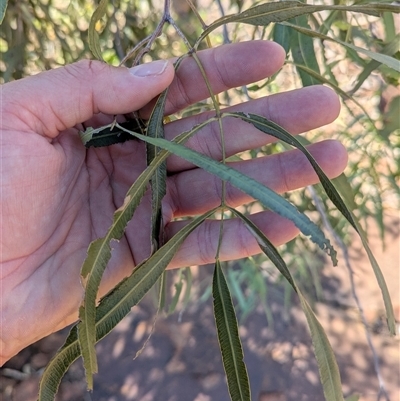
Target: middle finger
{"x":297,"y":111}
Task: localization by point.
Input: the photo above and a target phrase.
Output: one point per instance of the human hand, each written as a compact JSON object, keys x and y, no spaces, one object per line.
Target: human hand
{"x":57,"y":196}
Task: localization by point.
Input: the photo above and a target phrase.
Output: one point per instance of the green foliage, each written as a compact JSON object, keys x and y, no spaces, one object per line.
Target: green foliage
{"x":228,"y":336}
{"x":3,"y":7}
{"x":42,"y":34}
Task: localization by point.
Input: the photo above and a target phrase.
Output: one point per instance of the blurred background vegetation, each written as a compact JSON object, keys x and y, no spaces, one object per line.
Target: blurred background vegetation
{"x":37,"y":35}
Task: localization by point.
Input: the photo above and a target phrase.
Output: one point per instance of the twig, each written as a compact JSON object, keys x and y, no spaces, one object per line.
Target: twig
{"x":321,"y":209}
{"x":117,"y":36}
{"x":197,"y":14}
{"x":149,"y":40}
{"x":224,"y":28}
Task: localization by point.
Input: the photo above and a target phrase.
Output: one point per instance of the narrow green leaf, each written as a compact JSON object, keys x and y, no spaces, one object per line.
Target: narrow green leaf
{"x":321,"y":79}
{"x":99,"y":254}
{"x":87,"y":340}
{"x":228,"y":337}
{"x":390,"y":27}
{"x":189,"y":282}
{"x":265,"y":14}
{"x":178,"y":290}
{"x":390,"y":49}
{"x":302,"y":49}
{"x":328,"y":369}
{"x":382,"y":58}
{"x":3,"y":8}
{"x":282,"y":35}
{"x":341,"y":182}
{"x":114,"y":306}
{"x":155,"y":129}
{"x":58,"y":366}
{"x":93,"y":36}
{"x":332,"y":84}
{"x":267,"y":247}
{"x":327,"y":365}
{"x":265,"y":195}
{"x":275,"y":130}
{"x":162,"y":291}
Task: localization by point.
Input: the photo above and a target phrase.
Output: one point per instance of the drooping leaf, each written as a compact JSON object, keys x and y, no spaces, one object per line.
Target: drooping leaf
{"x":390,"y":49}
{"x":381,"y":58}
{"x":282,"y":35}
{"x":267,"y":247}
{"x":265,"y":195}
{"x":303,"y":53}
{"x":275,"y":130}
{"x":342,"y":184}
{"x":58,"y":366}
{"x":329,"y":372}
{"x":155,"y":129}
{"x":162,"y":293}
{"x":178,"y":290}
{"x":327,"y":365}
{"x":93,"y":36}
{"x":320,"y":78}
{"x":3,"y":8}
{"x":267,"y":13}
{"x":390,"y":27}
{"x":228,"y":337}
{"x":114,"y":306}
{"x":99,"y":254}
{"x":390,"y":119}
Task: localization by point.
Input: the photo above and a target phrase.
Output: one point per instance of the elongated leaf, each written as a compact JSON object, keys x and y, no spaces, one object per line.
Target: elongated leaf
{"x":390,"y":49}
{"x":99,"y":254}
{"x":282,"y":35}
{"x":302,"y":49}
{"x":275,"y":130}
{"x":155,"y":129}
{"x":178,"y":289}
{"x":327,"y":365}
{"x":381,"y":58}
{"x":228,"y":337}
{"x":93,"y":36}
{"x":321,"y":79}
{"x":390,"y":27}
{"x":114,"y":306}
{"x":341,"y":182}
{"x":265,"y":14}
{"x":339,"y":91}
{"x":267,"y":247}
{"x":3,"y":8}
{"x":265,"y":195}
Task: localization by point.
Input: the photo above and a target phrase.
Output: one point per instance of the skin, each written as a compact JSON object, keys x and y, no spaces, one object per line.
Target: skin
{"x":57,"y":197}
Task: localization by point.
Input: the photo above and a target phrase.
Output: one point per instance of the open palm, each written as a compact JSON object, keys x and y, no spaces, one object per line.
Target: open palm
{"x":57,"y":196}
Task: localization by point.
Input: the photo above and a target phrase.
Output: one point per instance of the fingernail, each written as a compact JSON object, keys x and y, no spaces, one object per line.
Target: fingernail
{"x":149,"y":69}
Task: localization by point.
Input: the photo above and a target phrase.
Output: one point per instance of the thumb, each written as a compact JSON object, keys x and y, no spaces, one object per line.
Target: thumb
{"x":55,"y":100}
